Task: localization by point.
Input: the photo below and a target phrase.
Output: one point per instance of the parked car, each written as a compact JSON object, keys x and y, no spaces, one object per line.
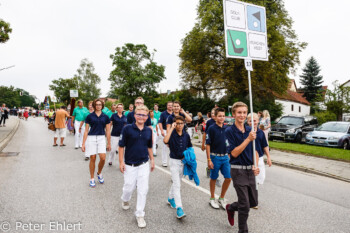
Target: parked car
{"x":293,"y":128}
{"x":229,"y":121}
{"x":333,"y":134}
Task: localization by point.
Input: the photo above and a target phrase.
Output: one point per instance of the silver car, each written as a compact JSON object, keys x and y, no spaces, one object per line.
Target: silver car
{"x":333,"y":134}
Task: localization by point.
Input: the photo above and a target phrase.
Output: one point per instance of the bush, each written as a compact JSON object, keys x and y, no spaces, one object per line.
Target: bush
{"x":324,"y":117}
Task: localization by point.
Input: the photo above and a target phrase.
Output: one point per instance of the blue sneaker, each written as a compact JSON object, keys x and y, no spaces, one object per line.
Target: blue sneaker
{"x":180,"y":213}
{"x":171,"y":202}
{"x":100,"y":178}
{"x":92,"y":183}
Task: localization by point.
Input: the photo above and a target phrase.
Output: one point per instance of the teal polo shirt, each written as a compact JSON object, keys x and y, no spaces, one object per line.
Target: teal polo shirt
{"x":79,"y":113}
{"x":105,"y":110}
{"x":110,"y":113}
{"x":157,"y":114}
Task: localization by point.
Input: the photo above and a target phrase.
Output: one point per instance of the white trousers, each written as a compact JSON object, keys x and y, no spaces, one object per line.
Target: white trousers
{"x":190,"y":131}
{"x":136,"y":177}
{"x":200,"y":135}
{"x":165,"y":150}
{"x":261,"y":177}
{"x":114,"y":148}
{"x":79,"y":136}
{"x":154,"y":145}
{"x":177,"y":171}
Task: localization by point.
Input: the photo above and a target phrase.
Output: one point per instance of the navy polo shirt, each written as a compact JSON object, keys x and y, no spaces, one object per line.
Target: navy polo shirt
{"x":170,"y":119}
{"x":209,"y":123}
{"x":163,"y":117}
{"x":136,"y":143}
{"x":131,"y":119}
{"x":260,"y":142}
{"x":118,"y":124}
{"x":178,"y":144}
{"x":216,"y":139}
{"x":97,"y":123}
{"x":234,"y":138}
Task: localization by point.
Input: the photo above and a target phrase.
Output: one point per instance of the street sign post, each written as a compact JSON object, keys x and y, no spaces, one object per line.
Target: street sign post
{"x":53,"y":99}
{"x":246,"y":38}
{"x":73,"y":93}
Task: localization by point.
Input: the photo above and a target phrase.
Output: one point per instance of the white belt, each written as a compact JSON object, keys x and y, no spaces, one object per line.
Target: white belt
{"x":221,"y":155}
{"x":242,"y":167}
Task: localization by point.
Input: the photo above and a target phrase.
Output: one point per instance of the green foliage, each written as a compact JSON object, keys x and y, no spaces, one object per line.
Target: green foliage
{"x":135,"y":74}
{"x":108,"y":104}
{"x":9,"y":96}
{"x":88,"y":81}
{"x":61,"y":88}
{"x":338,"y":100}
{"x":205,"y":69}
{"x":5,"y":30}
{"x":325,"y":116}
{"x":312,"y":80}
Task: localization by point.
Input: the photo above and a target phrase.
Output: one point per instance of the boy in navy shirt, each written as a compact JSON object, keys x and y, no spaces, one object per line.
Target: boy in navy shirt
{"x":162,"y":126}
{"x":178,"y":140}
{"x":136,"y":138}
{"x":218,"y":159}
{"x":239,"y":145}
{"x":177,"y":111}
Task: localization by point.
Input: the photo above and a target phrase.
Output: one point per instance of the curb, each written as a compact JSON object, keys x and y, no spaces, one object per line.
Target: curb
{"x":8,"y":138}
{"x":305,"y":169}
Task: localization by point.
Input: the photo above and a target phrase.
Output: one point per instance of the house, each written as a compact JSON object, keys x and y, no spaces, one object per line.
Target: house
{"x":293,"y":102}
{"x":346,"y":116}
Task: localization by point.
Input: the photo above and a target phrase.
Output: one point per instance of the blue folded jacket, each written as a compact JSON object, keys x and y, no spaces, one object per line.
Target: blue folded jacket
{"x":190,"y":165}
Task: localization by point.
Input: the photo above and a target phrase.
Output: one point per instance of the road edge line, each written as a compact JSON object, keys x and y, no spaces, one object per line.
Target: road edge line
{"x":8,"y":138}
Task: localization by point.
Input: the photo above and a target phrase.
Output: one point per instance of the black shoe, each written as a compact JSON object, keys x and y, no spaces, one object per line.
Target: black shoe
{"x":110,"y":164}
{"x":87,"y":158}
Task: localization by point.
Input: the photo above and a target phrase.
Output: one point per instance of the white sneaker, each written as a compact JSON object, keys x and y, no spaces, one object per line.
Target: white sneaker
{"x":141,"y":222}
{"x":125,"y":205}
{"x":223,"y":203}
{"x":213,"y":204}
{"x":165,"y":165}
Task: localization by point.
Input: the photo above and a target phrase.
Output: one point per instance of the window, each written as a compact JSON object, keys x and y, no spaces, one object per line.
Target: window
{"x":292,"y":107}
{"x":299,"y":108}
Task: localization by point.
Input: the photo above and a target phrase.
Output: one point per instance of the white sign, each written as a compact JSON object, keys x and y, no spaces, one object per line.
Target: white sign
{"x":53,"y":99}
{"x":74,"y":93}
{"x":245,"y":30}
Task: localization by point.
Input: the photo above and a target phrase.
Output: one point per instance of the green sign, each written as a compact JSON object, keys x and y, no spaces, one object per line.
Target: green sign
{"x":236,"y":43}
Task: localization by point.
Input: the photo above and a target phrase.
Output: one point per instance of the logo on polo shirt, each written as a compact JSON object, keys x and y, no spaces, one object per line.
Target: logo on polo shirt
{"x":121,"y":137}
{"x":227,"y":144}
{"x":207,"y":136}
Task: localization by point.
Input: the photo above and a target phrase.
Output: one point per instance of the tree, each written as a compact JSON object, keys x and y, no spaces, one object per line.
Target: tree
{"x":88,"y":81}
{"x":312,"y":80}
{"x":9,"y":96}
{"x":61,"y":88}
{"x":338,"y":100}
{"x":135,"y":73}
{"x":26,"y":99}
{"x":205,"y":68}
{"x":5,"y":30}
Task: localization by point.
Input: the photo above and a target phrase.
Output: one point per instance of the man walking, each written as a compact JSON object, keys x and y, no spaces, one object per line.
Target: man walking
{"x":131,"y":108}
{"x":162,"y":126}
{"x":78,"y":116}
{"x":60,"y":125}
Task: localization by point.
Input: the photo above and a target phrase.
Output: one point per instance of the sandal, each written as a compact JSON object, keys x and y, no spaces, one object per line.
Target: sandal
{"x":63,"y":145}
{"x":55,"y":145}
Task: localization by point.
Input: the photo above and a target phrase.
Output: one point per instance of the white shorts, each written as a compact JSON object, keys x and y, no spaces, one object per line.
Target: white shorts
{"x":60,"y":133}
{"x":95,"y":145}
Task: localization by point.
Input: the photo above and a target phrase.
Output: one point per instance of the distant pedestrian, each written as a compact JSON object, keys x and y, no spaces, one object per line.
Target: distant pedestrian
{"x":82,"y":125}
{"x":131,"y":108}
{"x":139,"y":101}
{"x":26,"y":114}
{"x":266,"y":122}
{"x":163,"y":129}
{"x":155,"y":131}
{"x":77,"y":118}
{"x":60,"y":125}
{"x":156,"y":112}
{"x":4,"y":115}
{"x":200,"y":127}
{"x":97,"y":128}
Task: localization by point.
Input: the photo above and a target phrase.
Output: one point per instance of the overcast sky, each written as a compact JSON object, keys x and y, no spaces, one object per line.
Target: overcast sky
{"x":51,"y":37}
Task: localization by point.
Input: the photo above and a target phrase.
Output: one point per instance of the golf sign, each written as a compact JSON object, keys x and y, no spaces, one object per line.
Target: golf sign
{"x":245,"y":31}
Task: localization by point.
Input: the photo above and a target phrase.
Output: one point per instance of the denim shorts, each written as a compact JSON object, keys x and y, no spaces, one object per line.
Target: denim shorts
{"x":221,"y":163}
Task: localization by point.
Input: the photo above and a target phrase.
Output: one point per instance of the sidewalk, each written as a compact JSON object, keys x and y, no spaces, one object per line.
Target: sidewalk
{"x":6,"y":133}
{"x":320,"y":166}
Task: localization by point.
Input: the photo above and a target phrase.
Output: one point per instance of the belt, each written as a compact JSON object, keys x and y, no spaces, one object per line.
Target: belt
{"x":242,"y":167}
{"x":221,"y":155}
{"x":135,"y":164}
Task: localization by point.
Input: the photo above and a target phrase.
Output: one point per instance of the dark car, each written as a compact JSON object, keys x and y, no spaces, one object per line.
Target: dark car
{"x":293,"y":128}
{"x":229,"y":120}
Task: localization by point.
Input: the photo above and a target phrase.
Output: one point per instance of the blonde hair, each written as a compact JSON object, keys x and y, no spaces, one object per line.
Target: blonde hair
{"x":139,"y":98}
{"x":255,"y":115}
{"x":199,"y":114}
{"x":266,"y":114}
{"x":237,"y":105}
{"x":142,"y":108}
{"x":119,"y":104}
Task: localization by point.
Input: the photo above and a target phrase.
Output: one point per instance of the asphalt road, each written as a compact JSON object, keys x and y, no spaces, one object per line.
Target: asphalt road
{"x":44,"y":184}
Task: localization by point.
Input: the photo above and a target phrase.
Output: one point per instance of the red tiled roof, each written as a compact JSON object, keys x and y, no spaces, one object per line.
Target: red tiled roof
{"x":292,"y":96}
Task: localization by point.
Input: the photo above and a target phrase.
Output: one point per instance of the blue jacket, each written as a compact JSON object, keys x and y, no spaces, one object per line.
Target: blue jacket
{"x":190,"y":165}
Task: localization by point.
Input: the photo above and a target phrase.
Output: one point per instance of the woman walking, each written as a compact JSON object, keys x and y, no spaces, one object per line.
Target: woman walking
{"x":266,"y":122}
{"x":199,"y":126}
{"x":154,"y":123}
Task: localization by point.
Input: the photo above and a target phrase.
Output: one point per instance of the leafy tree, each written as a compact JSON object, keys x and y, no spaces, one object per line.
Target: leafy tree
{"x":5,"y":30}
{"x":338,"y":100}
{"x":9,"y":96}
{"x":323,"y":117}
{"x":135,"y":74}
{"x":88,"y":81}
{"x":205,"y":68}
{"x":312,"y":80}
{"x":61,"y":88}
{"x":26,"y":99}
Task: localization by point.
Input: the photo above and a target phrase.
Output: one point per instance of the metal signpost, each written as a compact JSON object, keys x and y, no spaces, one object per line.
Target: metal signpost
{"x":73,"y":93}
{"x":246,"y":38}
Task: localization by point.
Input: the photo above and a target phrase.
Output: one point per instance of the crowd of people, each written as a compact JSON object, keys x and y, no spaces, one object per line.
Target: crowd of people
{"x":133,"y":136}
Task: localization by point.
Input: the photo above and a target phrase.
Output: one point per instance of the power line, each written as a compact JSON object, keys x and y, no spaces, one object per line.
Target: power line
{"x":7,"y":68}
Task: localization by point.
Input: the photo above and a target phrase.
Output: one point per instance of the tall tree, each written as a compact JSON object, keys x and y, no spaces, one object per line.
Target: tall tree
{"x":26,"y":99}
{"x":10,"y":97}
{"x":5,"y":30}
{"x":88,"y":81}
{"x":312,"y":80}
{"x":204,"y":66}
{"x":135,"y":73}
{"x":338,"y":100}
{"x":61,"y":88}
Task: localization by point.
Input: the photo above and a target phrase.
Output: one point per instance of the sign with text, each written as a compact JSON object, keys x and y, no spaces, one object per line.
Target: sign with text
{"x":245,"y":31}
{"x":53,"y":99}
{"x":73,"y":93}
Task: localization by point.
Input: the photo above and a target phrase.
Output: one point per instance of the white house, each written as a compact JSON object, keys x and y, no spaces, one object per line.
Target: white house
{"x":293,"y":102}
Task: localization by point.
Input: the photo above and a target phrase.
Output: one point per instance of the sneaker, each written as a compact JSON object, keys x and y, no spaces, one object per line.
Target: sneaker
{"x":213,"y":203}
{"x":100,"y":178}
{"x":154,"y":155}
{"x":141,"y":222}
{"x":255,"y":207}
{"x":171,"y":202}
{"x":92,"y":183}
{"x":218,"y":183}
{"x":230,"y":215}
{"x":222,"y":203}
{"x":87,"y":158}
{"x":110,"y":164}
{"x":165,"y":165}
{"x":180,"y":213}
{"x":76,"y":148}
{"x":125,"y":205}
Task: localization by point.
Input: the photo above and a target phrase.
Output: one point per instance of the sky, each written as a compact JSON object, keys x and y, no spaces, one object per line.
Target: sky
{"x":51,"y":37}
